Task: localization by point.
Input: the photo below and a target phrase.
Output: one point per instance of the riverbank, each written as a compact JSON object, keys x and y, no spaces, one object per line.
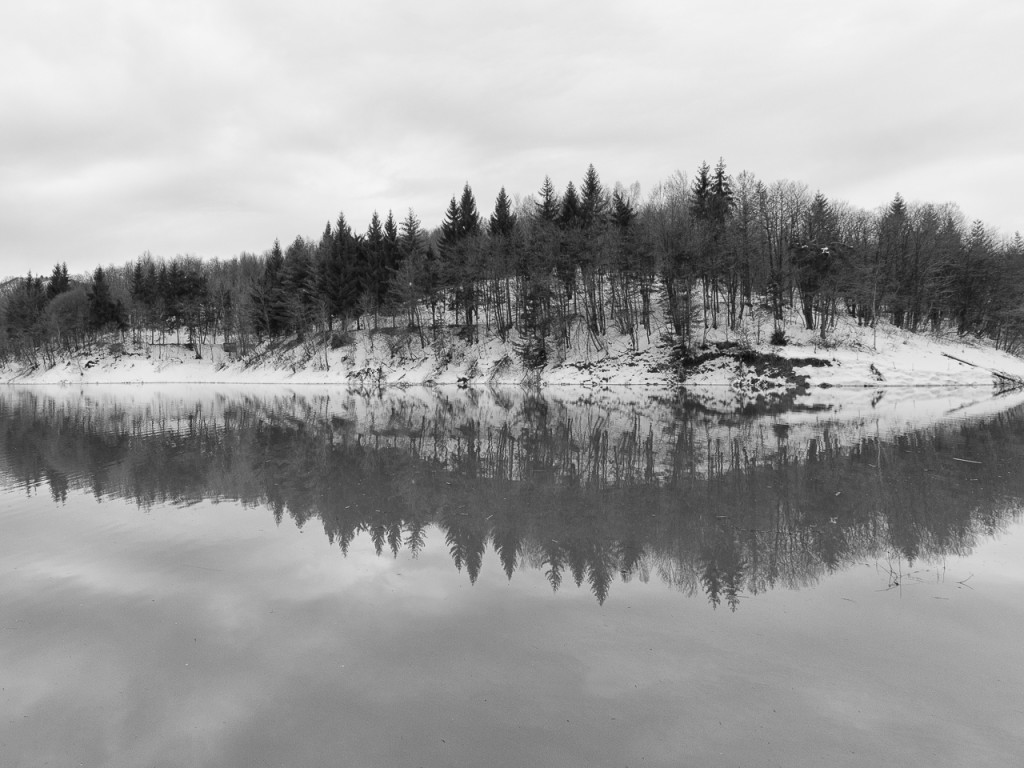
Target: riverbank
{"x":729,"y":369}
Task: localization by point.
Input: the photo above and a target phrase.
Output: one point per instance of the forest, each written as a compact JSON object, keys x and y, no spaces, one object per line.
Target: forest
{"x":692,"y":255}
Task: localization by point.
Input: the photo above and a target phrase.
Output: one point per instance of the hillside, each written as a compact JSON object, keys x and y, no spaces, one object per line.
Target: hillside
{"x":730,"y":370}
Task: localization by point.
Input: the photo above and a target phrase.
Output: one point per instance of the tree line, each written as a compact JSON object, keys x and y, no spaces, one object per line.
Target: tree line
{"x":552,"y":267}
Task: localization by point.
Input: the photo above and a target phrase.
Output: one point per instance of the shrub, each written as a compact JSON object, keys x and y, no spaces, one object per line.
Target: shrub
{"x":533,"y":352}
{"x":779,"y":338}
{"x":341,"y":339}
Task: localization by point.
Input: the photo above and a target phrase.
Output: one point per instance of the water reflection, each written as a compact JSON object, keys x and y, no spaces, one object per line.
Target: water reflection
{"x":591,"y":492}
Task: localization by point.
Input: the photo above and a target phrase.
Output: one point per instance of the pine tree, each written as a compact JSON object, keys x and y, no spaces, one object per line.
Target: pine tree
{"x":593,"y":205}
{"x":298,"y":282}
{"x":59,"y":281}
{"x":267,"y":297}
{"x":410,"y":239}
{"x":623,"y":211}
{"x":451,"y":227}
{"x":503,"y":220}
{"x":323,"y":248}
{"x":390,"y":233}
{"x":345,"y":278}
{"x":721,"y":202}
{"x":700,"y":200}
{"x":569,"y":216}
{"x":23,"y":311}
{"x":469,"y":217}
{"x":375,"y":233}
{"x":897,"y":208}
{"x":376,"y":268}
{"x":104,"y":312}
{"x":822,"y":225}
{"x":392,"y":253}
{"x":548,"y":206}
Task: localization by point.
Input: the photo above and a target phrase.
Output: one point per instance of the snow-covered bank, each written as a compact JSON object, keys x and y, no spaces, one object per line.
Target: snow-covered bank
{"x":882,"y":359}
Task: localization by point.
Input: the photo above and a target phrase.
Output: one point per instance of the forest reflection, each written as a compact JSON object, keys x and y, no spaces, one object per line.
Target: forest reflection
{"x":709,"y":504}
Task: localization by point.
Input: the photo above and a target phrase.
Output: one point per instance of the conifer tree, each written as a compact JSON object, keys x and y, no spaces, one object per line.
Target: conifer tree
{"x":59,"y":281}
{"x":298,"y":283}
{"x":720,"y":202}
{"x":569,"y":215}
{"x":469,"y":217}
{"x":392,"y":255}
{"x":104,"y":311}
{"x":267,"y":297}
{"x":413,"y":277}
{"x":451,"y":227}
{"x":391,"y":251}
{"x":593,"y":205}
{"x":410,"y":239}
{"x":548,"y":206}
{"x":822,"y":226}
{"x":503,"y":220}
{"x":23,"y":312}
{"x":623,"y":211}
{"x":700,"y":194}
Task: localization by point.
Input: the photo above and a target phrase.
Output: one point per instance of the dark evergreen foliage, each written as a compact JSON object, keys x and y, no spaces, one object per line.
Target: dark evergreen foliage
{"x":503,"y":220}
{"x":59,"y":281}
{"x":623,"y":211}
{"x":700,"y":199}
{"x":570,"y":211}
{"x":706,"y":251}
{"x":469,"y":217}
{"x":593,"y":205}
{"x":105,"y":313}
{"x":548,"y":206}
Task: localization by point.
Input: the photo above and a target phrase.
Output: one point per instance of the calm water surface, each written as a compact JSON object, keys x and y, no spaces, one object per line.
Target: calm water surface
{"x":207,"y":577}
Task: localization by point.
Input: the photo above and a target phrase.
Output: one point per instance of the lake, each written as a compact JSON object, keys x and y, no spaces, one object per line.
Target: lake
{"x":313,"y":576}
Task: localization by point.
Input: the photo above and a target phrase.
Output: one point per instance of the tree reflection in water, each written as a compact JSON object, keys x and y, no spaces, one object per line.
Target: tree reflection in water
{"x":723,"y":505}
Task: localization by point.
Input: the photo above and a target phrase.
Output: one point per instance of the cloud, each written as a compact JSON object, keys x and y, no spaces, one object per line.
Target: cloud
{"x":213,"y":128}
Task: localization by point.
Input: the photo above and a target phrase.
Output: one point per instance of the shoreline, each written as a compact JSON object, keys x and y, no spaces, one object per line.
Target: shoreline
{"x":727,"y":372}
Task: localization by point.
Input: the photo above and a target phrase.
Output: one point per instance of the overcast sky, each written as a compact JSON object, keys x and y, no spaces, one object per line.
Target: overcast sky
{"x":211,"y":128}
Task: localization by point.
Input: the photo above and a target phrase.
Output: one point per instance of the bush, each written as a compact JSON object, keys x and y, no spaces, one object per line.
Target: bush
{"x":779,"y":338}
{"x":533,"y":353}
{"x":341,"y":339}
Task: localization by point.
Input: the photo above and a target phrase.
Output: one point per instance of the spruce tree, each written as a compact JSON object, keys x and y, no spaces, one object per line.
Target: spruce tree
{"x":410,"y":238}
{"x":267,"y":295}
{"x":720,"y":203}
{"x":298,"y":286}
{"x":375,"y":233}
{"x":623,"y":211}
{"x":451,"y":227}
{"x":469,"y":217}
{"x":822,"y":225}
{"x":569,"y":215}
{"x":390,"y":230}
{"x":59,"y":281}
{"x":104,"y":312}
{"x":503,"y":220}
{"x":392,"y":253}
{"x":348,"y":271}
{"x":700,"y":201}
{"x":898,"y":208}
{"x":548,"y":206}
{"x":593,"y":205}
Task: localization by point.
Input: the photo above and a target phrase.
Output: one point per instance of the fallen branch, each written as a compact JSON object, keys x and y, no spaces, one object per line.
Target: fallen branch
{"x":999,"y":374}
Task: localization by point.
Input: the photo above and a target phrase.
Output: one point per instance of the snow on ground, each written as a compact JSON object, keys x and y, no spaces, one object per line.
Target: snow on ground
{"x":864,"y":369}
{"x":880,"y":381}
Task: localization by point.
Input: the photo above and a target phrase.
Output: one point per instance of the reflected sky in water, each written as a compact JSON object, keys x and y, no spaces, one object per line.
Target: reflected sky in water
{"x":184,"y":631}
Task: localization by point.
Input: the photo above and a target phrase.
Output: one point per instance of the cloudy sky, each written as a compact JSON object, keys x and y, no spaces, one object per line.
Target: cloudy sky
{"x":214,"y":127}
